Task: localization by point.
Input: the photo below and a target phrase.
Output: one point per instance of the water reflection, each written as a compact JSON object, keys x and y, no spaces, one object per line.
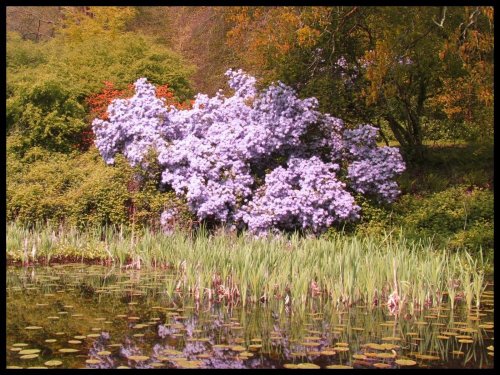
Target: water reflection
{"x":82,"y":316}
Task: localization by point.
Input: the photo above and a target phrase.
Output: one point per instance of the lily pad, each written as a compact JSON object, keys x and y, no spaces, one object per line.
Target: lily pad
{"x":307,"y":366}
{"x":381,"y":365}
{"x":405,"y":362}
{"x":68,"y":350}
{"x":340,"y":349}
{"x":157,"y":364}
{"x":30,"y":351}
{"x":238,"y":348}
{"x":138,"y":358}
{"x":29,"y":356}
{"x":93,"y":361}
{"x":339,"y":367}
{"x":53,"y":363}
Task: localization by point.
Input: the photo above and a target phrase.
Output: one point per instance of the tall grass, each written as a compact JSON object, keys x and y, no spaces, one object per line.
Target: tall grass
{"x":343,"y":270}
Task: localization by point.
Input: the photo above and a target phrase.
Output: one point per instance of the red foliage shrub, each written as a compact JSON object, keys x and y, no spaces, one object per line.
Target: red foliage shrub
{"x":98,"y":106}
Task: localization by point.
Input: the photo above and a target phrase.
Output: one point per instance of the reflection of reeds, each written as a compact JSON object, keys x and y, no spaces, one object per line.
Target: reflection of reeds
{"x":293,"y":270}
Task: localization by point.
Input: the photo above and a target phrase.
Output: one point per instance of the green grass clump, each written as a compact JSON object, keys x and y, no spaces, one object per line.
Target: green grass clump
{"x":343,"y":270}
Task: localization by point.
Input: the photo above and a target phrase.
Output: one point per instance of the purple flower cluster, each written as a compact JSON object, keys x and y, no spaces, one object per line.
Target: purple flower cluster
{"x":307,"y":194}
{"x":134,"y":125}
{"x":373,"y":168}
{"x":210,"y":154}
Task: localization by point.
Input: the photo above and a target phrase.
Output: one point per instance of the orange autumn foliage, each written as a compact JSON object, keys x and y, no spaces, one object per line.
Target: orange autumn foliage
{"x":98,"y":106}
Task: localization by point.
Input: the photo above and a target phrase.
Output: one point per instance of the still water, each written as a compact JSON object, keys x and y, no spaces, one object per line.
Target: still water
{"x":88,"y":316}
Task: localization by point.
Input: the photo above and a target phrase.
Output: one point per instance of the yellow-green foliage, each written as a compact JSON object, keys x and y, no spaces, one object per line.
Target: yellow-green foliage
{"x":48,"y":82}
{"x":463,"y":214}
{"x":79,"y":189}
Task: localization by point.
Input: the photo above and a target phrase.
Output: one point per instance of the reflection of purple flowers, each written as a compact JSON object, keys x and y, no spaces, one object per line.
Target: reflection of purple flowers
{"x":210,"y":154}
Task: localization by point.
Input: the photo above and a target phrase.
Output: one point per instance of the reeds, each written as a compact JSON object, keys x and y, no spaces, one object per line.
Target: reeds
{"x":343,"y":270}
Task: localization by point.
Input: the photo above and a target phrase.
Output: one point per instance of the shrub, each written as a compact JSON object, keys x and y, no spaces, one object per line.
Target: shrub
{"x":79,"y":189}
{"x":462,"y":214}
{"x":216,"y":153}
{"x":48,"y":82}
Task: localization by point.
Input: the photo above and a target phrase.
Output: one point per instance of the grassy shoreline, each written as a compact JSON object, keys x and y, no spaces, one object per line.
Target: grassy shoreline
{"x":344,"y":270}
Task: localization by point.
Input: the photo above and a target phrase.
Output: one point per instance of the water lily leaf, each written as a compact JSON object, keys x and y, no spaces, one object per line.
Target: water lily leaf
{"x":29,"y":351}
{"x":238,"y":348}
{"x":405,"y":362}
{"x":307,"y":366}
{"x":381,"y":365}
{"x":138,"y":358}
{"x":68,"y":350}
{"x":53,"y":363}
{"x":29,"y":356}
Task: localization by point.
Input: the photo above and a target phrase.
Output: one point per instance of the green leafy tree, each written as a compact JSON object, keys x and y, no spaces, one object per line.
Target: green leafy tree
{"x":48,"y":82}
{"x":382,"y":65}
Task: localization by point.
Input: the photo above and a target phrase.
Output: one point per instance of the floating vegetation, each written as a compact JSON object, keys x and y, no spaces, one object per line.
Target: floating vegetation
{"x":29,"y":351}
{"x":68,"y":350}
{"x":92,"y":361}
{"x":138,"y":358}
{"x":29,"y":356}
{"x":405,"y":362}
{"x":223,"y":334}
{"x":53,"y":363}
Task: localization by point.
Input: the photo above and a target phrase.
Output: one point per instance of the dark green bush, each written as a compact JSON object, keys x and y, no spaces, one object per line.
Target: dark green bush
{"x":461,"y":214}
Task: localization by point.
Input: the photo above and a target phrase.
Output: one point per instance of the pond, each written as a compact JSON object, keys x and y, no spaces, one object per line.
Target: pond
{"x":92,"y":316}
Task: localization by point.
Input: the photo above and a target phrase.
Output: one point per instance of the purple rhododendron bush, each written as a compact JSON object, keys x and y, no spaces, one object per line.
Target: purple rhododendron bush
{"x":262,"y":159}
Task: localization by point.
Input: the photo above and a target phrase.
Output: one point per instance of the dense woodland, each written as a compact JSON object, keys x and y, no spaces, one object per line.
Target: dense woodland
{"x":422,"y":75}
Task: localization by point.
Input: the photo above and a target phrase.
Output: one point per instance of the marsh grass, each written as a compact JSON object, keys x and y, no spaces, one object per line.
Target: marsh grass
{"x":341,"y":270}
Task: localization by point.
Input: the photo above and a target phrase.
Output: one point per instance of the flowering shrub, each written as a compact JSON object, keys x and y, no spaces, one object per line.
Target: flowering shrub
{"x":267,"y":159}
{"x":99,"y":103}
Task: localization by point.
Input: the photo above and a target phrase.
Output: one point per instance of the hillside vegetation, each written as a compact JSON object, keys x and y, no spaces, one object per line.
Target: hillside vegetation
{"x":422,"y":75}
